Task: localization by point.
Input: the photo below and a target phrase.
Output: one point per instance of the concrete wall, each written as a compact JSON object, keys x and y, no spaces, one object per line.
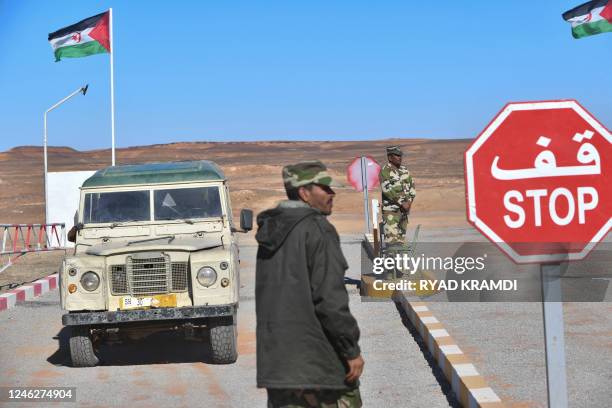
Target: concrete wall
{"x":63,"y":196}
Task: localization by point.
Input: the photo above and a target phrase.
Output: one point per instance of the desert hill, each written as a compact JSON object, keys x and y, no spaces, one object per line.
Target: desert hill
{"x":253,"y":170}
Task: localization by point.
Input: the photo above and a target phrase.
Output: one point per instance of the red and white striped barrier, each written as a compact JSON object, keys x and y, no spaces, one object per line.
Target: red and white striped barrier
{"x":19,"y":239}
{"x":28,"y":292}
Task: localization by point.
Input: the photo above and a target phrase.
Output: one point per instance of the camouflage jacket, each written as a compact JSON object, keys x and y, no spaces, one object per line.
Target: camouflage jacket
{"x":397,"y":187}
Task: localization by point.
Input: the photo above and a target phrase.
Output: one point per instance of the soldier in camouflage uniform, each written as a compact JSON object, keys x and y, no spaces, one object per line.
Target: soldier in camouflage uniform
{"x":308,"y":354}
{"x":397,"y":196}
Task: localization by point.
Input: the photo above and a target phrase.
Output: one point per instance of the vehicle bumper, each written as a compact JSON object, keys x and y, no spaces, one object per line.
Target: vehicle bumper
{"x":166,"y":313}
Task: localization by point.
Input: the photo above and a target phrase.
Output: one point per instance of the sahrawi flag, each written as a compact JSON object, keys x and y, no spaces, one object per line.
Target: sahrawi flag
{"x":84,"y":38}
{"x":594,"y":17}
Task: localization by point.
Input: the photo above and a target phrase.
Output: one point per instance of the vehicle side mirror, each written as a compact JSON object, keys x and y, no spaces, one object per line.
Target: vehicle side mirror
{"x":246,"y":219}
{"x":72,"y":234}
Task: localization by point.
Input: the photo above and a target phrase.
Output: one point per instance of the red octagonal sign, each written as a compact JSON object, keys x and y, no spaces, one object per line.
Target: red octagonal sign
{"x":538,"y":181}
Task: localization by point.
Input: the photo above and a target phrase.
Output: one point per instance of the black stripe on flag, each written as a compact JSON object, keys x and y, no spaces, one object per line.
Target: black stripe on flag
{"x":583,"y":9}
{"x":80,"y":26}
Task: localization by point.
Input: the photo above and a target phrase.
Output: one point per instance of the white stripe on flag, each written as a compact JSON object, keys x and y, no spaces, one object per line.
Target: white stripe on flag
{"x":67,"y":40}
{"x":593,"y":16}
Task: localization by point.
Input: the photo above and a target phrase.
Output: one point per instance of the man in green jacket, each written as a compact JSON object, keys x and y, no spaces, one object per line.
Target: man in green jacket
{"x":307,"y":340}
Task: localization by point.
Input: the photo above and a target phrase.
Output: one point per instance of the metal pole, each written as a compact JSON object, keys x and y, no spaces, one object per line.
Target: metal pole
{"x":364,"y":184}
{"x":82,"y":90}
{"x":45,"y":167}
{"x":112,"y":84}
{"x":554,"y":336}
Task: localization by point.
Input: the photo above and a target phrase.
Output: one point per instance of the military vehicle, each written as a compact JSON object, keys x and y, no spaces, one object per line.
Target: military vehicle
{"x":155,"y":250}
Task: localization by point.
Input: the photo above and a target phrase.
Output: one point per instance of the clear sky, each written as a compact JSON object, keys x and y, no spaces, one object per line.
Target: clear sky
{"x":286,"y":70}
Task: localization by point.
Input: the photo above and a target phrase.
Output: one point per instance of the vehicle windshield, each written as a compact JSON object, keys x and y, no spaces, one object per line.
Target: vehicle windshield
{"x":119,"y":206}
{"x":187,"y":203}
{"x":169,"y":204}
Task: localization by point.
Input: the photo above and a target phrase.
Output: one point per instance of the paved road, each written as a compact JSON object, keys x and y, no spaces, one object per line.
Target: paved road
{"x":167,"y":370}
{"x":505,"y":340}
{"x":506,"y":343}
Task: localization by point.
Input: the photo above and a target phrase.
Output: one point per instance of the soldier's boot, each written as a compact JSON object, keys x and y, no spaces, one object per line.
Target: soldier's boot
{"x":391,"y":250}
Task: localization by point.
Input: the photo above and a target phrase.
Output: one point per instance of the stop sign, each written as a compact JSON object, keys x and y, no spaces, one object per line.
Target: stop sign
{"x":354,"y":173}
{"x":538,"y":181}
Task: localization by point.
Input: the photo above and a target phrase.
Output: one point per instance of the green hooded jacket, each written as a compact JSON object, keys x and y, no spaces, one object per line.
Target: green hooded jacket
{"x":305,"y":330}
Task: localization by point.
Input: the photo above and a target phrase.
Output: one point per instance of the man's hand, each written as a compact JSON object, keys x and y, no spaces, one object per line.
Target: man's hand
{"x":355,"y":369}
{"x":406,"y":206}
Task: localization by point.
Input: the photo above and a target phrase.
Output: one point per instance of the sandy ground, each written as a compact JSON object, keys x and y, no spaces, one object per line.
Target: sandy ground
{"x":30,"y":267}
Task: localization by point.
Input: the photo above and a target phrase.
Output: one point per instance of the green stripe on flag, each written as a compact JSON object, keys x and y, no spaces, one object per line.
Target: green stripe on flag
{"x":80,"y":50}
{"x":586,"y":29}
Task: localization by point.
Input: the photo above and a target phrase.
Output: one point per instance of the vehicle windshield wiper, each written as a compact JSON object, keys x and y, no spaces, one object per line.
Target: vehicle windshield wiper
{"x":116,"y":224}
{"x":170,"y":238}
{"x":185,"y":220}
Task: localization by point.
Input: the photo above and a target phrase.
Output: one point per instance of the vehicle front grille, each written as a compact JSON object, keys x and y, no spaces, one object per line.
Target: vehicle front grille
{"x":179,"y":276}
{"x":149,"y":276}
{"x":119,"y":284}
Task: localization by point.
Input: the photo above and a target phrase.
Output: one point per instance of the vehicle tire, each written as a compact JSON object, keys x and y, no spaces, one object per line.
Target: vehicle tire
{"x":223,"y":343}
{"x":81,"y":347}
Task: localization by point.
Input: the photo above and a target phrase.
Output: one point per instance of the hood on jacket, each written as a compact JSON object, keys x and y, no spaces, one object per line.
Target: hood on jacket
{"x":276,"y":224}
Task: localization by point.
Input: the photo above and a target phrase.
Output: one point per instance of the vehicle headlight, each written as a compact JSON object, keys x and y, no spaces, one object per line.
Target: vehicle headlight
{"x":207,"y":276}
{"x":90,"y":281}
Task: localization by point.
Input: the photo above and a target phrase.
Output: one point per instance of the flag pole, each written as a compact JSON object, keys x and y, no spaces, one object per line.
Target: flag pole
{"x":112,"y":84}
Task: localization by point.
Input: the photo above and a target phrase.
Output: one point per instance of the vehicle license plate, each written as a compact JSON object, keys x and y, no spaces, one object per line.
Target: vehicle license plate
{"x":131,"y":302}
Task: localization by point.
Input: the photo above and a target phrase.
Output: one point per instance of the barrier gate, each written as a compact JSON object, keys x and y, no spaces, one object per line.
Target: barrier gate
{"x":19,"y":239}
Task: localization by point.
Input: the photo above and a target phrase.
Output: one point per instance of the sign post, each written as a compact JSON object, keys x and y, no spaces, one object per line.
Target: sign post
{"x":366,"y":200}
{"x":538,"y":186}
{"x":554,"y":336}
{"x":362,"y":173}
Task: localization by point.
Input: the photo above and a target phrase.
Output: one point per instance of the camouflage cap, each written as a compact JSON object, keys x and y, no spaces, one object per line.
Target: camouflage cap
{"x":308,"y":172}
{"x":394,"y":150}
